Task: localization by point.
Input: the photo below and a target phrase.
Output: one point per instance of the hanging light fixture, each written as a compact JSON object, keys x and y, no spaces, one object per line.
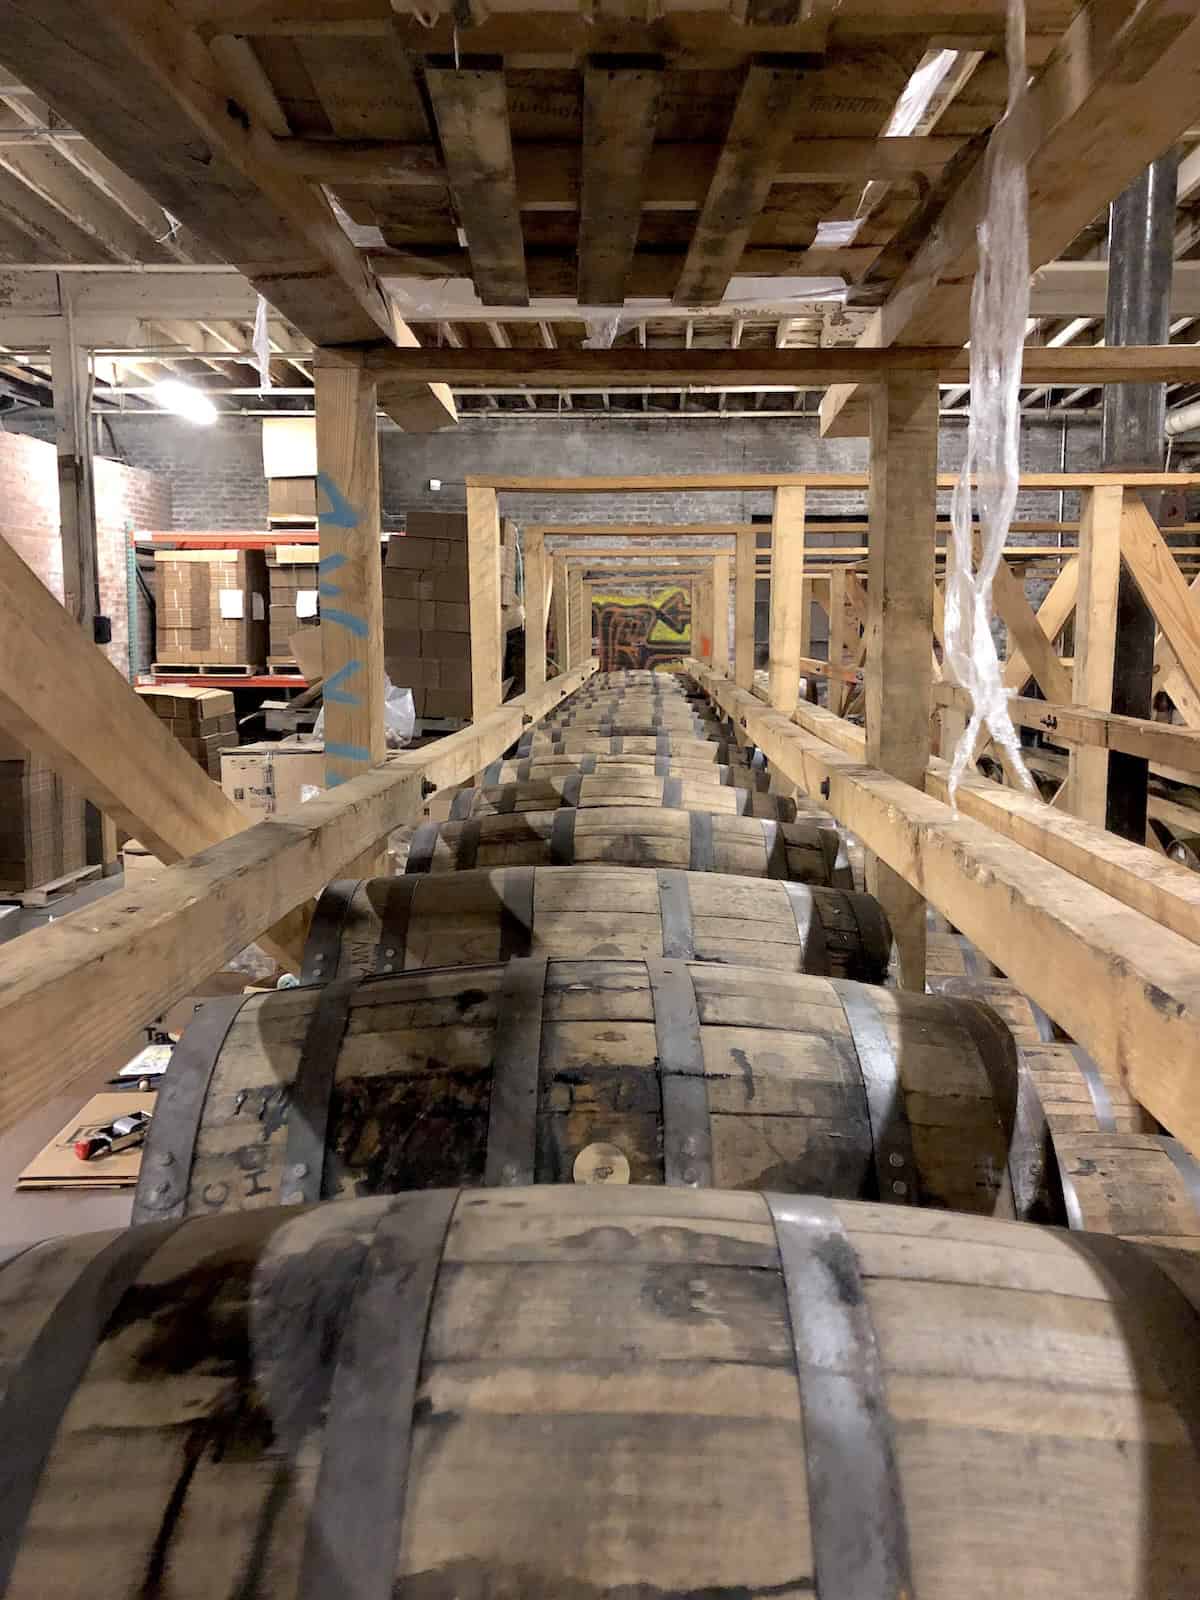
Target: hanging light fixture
{"x":185,"y":401}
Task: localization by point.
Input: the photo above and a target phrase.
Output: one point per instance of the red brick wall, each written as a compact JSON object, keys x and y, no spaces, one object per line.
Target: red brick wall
{"x":126,"y":497}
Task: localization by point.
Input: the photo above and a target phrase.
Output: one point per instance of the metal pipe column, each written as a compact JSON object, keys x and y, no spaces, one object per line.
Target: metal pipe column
{"x":1141,"y":250}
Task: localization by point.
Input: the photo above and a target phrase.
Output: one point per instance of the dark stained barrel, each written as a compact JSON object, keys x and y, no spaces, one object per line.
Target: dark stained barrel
{"x":550,"y":763}
{"x":665,"y":1072}
{"x":394,"y":924}
{"x":680,"y":748}
{"x":690,"y":790}
{"x":631,"y":836}
{"x":570,"y":1394}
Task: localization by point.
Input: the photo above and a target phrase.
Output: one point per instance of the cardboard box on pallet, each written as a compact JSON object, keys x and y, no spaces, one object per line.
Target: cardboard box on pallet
{"x":212,"y":607}
{"x":201,"y":720}
{"x":294,"y":602}
{"x":42,"y":828}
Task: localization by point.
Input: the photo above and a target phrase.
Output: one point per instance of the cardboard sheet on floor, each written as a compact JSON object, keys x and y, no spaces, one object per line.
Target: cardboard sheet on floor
{"x":57,"y":1166}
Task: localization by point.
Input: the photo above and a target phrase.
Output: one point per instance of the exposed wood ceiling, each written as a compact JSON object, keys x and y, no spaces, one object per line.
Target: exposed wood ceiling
{"x":649,"y":175}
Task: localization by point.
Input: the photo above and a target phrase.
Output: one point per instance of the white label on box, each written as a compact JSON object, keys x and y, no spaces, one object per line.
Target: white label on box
{"x":306,"y":602}
{"x":258,"y":607}
{"x":232,"y":603}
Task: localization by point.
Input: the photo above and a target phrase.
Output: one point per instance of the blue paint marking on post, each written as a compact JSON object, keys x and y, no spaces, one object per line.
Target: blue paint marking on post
{"x":333,"y":685}
{"x":341,"y":513}
{"x":328,"y":591}
{"x":332,"y":779}
{"x":345,"y":619}
{"x":347,"y":752}
{"x":332,"y":562}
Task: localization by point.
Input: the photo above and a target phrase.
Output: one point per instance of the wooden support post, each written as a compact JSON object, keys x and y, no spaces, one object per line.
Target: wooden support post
{"x":787,"y":592}
{"x":839,"y":616}
{"x":578,"y":649}
{"x":483,"y":582}
{"x":535,"y":610}
{"x":562,"y":616}
{"x":743,"y":629}
{"x":720,"y":613}
{"x":351,"y":579}
{"x":588,"y":616}
{"x":902,"y":502}
{"x":1095,"y":643}
{"x":702,"y":617}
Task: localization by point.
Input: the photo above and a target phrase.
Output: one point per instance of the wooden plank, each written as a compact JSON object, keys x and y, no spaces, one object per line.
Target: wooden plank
{"x":580,"y":636}
{"x":720,"y":613}
{"x":550,"y":173}
{"x":787,"y":596}
{"x":1095,"y":643}
{"x":838,"y":636}
{"x":471,"y":107}
{"x":1165,"y":744}
{"x":1014,"y":610}
{"x":620,"y":110}
{"x":101,"y":736}
{"x":743,"y":625}
{"x":1170,"y":679}
{"x":74,"y":990}
{"x":1125,"y":987}
{"x":351,"y":580}
{"x":1053,"y":614}
{"x":899,"y":633}
{"x":1154,"y":569}
{"x":768,"y":110}
{"x":1113,"y":95}
{"x":618,"y":483}
{"x":536,"y":598}
{"x":483,"y":578}
{"x":804,"y":367}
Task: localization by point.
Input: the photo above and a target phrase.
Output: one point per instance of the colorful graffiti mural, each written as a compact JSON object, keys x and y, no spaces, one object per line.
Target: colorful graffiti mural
{"x":642,"y":631}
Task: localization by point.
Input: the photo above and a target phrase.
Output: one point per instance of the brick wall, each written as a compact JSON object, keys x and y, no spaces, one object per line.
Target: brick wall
{"x":217,"y":479}
{"x":126,"y":498}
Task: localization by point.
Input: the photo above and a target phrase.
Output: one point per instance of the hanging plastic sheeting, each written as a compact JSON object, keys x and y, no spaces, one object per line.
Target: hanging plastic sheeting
{"x":261,"y":344}
{"x":999,"y":310}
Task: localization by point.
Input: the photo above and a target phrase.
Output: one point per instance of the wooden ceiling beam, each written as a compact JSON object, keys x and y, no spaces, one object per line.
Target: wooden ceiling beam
{"x":676,"y":174}
{"x":1118,"y":89}
{"x":147,"y":91}
{"x":812,"y":368}
{"x":764,"y":120}
{"x":471,"y":107}
{"x":620,"y":112}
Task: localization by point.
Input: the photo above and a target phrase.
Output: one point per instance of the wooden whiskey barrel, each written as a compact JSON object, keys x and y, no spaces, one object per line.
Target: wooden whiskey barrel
{"x":393,"y":924}
{"x":600,"y":1392}
{"x":632,"y":836}
{"x":641,"y":681}
{"x":634,"y":723}
{"x":630,"y":786}
{"x":548,"y":764}
{"x":1143,"y":1186}
{"x":678,"y":747}
{"x":662,"y":1071}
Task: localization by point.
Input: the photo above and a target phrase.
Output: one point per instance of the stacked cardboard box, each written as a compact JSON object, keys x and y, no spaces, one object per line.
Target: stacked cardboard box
{"x":292,"y":576}
{"x":265,"y":778}
{"x":201,"y":720}
{"x":426,"y":609}
{"x":292,"y":500}
{"x":212,"y":607}
{"x":426,"y":616}
{"x":42,"y":832}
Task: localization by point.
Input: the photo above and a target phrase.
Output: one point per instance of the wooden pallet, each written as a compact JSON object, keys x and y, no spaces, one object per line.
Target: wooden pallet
{"x":46,"y":893}
{"x":209,"y":669}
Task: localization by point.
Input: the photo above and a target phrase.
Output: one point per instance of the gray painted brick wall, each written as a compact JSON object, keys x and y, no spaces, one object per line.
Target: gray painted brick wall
{"x":217,"y":482}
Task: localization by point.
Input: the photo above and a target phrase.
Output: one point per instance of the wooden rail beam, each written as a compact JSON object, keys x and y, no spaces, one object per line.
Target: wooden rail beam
{"x":72,"y":990}
{"x":102,"y":737}
{"x":1127,"y":988}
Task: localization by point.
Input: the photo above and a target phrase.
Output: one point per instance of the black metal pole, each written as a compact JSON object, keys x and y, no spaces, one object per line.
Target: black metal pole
{"x":1141,"y":251}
